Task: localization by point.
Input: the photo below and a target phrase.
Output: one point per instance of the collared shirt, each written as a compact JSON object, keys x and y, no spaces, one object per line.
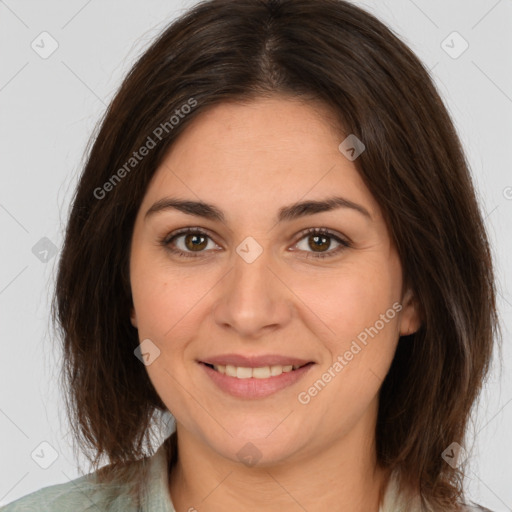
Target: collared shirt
{"x":85,"y":494}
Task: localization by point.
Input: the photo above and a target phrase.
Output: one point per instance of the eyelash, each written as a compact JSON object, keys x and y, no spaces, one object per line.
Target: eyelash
{"x":168,"y":239}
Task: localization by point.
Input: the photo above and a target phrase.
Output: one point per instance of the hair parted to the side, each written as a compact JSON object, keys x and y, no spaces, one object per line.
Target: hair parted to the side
{"x":414,"y":165}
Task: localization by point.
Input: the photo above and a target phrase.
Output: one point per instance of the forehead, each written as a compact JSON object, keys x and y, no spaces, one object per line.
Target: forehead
{"x":264,"y":152}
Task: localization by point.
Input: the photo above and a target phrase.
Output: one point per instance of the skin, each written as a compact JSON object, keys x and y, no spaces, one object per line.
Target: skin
{"x":249,"y":160}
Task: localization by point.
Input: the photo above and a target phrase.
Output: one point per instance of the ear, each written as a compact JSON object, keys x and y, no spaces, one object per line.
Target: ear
{"x":410,"y":317}
{"x":133,"y":318}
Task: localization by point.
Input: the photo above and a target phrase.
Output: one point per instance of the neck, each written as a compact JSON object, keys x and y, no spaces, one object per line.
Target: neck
{"x":344,"y":476}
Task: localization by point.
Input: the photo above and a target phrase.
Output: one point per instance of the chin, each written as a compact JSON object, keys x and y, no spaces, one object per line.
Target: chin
{"x":253,"y":446}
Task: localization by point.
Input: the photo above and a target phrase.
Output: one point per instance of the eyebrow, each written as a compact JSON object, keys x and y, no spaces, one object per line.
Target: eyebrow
{"x":287,"y":213}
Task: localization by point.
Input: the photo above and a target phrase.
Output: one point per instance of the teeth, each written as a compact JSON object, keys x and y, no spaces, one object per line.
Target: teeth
{"x":243,"y":373}
{"x":263,"y":372}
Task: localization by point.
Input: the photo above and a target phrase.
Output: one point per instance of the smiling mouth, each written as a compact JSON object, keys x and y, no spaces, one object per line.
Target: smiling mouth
{"x":262,"y":372}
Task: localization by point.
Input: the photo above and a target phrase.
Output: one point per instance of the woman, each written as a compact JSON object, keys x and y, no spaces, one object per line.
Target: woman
{"x":276,"y":239}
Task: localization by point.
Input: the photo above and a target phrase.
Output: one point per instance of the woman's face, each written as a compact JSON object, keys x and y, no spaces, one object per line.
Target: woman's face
{"x":251,"y":288}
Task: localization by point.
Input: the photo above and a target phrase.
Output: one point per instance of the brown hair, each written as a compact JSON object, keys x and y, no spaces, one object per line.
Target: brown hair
{"x":414,"y":165}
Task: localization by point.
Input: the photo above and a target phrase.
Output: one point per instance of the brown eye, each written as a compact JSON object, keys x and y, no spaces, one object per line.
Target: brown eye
{"x":189,"y":242}
{"x":319,"y":241}
{"x":195,"y":241}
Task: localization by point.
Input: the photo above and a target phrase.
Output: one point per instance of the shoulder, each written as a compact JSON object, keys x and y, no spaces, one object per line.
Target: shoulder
{"x":89,"y":493}
{"x":395,"y":500}
{"x":83,"y":494}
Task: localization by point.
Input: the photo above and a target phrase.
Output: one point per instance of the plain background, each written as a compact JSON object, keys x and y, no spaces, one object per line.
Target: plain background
{"x":49,"y":108}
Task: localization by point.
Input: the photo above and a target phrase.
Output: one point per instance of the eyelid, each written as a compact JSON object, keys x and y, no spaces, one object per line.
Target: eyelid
{"x":188,"y":230}
{"x":324,"y":231}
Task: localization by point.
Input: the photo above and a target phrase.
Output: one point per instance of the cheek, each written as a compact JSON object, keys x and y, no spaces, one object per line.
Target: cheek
{"x":360,"y":308}
{"x":164,"y":304}
{"x":350,"y":300}
{"x":163,"y":296}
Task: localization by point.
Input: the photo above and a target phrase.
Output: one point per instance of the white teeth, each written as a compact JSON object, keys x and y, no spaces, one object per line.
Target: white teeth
{"x":243,"y":373}
{"x":263,"y":372}
{"x":276,"y":370}
{"x":230,"y":370}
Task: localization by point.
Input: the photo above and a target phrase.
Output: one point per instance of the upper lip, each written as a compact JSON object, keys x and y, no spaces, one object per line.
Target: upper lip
{"x":255,"y":361}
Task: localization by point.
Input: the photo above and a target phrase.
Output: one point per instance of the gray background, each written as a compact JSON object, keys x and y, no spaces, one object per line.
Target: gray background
{"x":50,"y":106}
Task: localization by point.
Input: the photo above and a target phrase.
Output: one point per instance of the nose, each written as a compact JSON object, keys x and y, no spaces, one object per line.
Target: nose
{"x":253,"y":300}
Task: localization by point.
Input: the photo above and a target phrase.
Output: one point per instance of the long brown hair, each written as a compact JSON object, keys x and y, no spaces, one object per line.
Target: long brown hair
{"x":414,"y":165}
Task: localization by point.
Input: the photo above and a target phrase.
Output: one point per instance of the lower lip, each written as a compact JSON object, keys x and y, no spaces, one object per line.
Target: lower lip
{"x":255,"y":388}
